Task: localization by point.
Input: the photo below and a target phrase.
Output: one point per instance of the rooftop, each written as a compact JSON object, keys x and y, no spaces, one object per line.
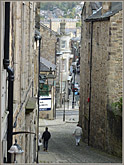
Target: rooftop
{"x":45,"y":65}
{"x":97,"y":16}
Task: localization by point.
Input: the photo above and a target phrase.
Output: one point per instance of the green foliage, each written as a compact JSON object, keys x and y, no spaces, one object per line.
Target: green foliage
{"x":118,"y":104}
{"x":61,"y":5}
{"x":117,"y":107}
{"x":64,"y":6}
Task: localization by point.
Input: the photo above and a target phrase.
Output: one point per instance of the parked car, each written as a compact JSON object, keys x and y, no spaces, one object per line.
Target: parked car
{"x":75,"y":87}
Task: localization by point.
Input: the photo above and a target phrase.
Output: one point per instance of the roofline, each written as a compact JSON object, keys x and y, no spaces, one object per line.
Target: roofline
{"x":97,"y":19}
{"x":55,"y":33}
{"x":102,"y":17}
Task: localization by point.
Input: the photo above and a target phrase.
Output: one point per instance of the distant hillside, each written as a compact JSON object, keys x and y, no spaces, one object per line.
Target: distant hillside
{"x":61,"y":5}
{"x":68,"y":8}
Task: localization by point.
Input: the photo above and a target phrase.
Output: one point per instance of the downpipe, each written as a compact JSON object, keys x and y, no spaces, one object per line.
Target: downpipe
{"x":10,"y":79}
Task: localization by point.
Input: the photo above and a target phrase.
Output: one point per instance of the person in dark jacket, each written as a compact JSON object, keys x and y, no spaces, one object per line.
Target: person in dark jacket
{"x":46,"y":136}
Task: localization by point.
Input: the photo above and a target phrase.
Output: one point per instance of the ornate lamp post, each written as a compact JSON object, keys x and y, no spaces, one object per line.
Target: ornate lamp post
{"x":74,"y":71}
{"x":15,"y":149}
{"x":38,"y":37}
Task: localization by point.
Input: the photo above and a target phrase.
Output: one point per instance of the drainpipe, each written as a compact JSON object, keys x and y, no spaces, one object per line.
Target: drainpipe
{"x":10,"y":79}
{"x":90,"y":81}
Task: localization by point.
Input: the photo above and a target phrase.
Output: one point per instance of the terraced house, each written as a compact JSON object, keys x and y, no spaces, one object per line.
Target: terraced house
{"x":18,"y":90}
{"x":101,"y":75}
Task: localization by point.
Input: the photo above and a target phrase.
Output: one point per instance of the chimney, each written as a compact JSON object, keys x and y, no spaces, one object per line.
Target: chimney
{"x":106,"y":6}
{"x":62,"y":27}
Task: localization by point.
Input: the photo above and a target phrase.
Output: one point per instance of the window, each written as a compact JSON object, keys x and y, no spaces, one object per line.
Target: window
{"x":63,"y":44}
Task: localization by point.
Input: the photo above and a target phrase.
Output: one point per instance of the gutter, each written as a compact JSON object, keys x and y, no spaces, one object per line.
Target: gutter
{"x":97,"y":19}
{"x":10,"y":79}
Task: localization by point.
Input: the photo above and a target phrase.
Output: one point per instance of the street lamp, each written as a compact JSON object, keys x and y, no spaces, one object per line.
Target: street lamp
{"x":38,"y":37}
{"x":57,"y":54}
{"x":42,"y":80}
{"x":15,"y":149}
{"x":50,"y":80}
{"x":50,"y":77}
{"x":74,"y":72}
{"x":64,"y":107}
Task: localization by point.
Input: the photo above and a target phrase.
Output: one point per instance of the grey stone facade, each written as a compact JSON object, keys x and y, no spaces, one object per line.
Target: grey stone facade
{"x":22,"y":55}
{"x":105,"y":72}
{"x":49,"y":38}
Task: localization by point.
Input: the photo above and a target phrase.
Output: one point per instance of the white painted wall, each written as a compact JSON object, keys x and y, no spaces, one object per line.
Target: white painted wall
{"x":65,"y":57}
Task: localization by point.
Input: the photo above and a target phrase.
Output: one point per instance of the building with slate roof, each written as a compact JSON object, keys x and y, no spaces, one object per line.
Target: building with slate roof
{"x":45,"y":65}
{"x":49,"y":39}
{"x":101,"y":75}
{"x":47,"y":91}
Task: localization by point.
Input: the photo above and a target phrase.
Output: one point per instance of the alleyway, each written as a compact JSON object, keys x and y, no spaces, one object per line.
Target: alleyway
{"x":62,"y":148}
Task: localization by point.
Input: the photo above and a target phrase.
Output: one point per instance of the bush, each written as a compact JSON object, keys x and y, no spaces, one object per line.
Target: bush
{"x":117,"y":107}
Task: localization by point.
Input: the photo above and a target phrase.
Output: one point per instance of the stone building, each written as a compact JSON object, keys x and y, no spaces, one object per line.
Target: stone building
{"x":19,"y":92}
{"x":49,"y":39}
{"x":70,"y":26}
{"x":49,"y":49}
{"x":47,"y":93}
{"x":101,"y":75}
{"x":64,"y":61}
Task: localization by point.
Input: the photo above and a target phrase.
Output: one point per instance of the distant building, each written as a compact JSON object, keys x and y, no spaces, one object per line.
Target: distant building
{"x":101,"y":75}
{"x":69,"y":27}
{"x":65,"y":49}
{"x":49,"y":38}
{"x":47,"y":91}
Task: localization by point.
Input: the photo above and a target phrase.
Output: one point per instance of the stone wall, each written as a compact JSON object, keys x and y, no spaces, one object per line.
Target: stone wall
{"x":48,"y":44}
{"x":106,"y":83}
{"x":22,"y":24}
{"x":115,"y":55}
{"x":115,"y":58}
{"x":55,"y":24}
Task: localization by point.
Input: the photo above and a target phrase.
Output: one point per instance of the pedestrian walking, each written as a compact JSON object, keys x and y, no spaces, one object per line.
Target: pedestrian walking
{"x":77,"y":132}
{"x":46,"y":136}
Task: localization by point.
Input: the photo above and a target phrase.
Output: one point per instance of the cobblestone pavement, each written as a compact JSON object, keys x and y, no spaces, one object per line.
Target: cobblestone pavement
{"x":62,"y":148}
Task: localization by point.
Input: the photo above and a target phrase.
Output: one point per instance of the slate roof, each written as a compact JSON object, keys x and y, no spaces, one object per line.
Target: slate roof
{"x":44,"y":26}
{"x":95,"y":5}
{"x":115,"y":8}
{"x":45,"y":65}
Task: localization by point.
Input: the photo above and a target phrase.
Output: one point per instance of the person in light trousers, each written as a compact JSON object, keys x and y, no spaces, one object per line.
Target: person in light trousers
{"x":77,"y":133}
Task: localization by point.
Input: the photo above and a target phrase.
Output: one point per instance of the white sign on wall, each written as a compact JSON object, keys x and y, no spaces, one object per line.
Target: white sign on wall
{"x":44,"y":103}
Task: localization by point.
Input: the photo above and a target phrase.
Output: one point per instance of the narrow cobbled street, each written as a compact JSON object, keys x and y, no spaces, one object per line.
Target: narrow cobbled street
{"x":62,"y":148}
